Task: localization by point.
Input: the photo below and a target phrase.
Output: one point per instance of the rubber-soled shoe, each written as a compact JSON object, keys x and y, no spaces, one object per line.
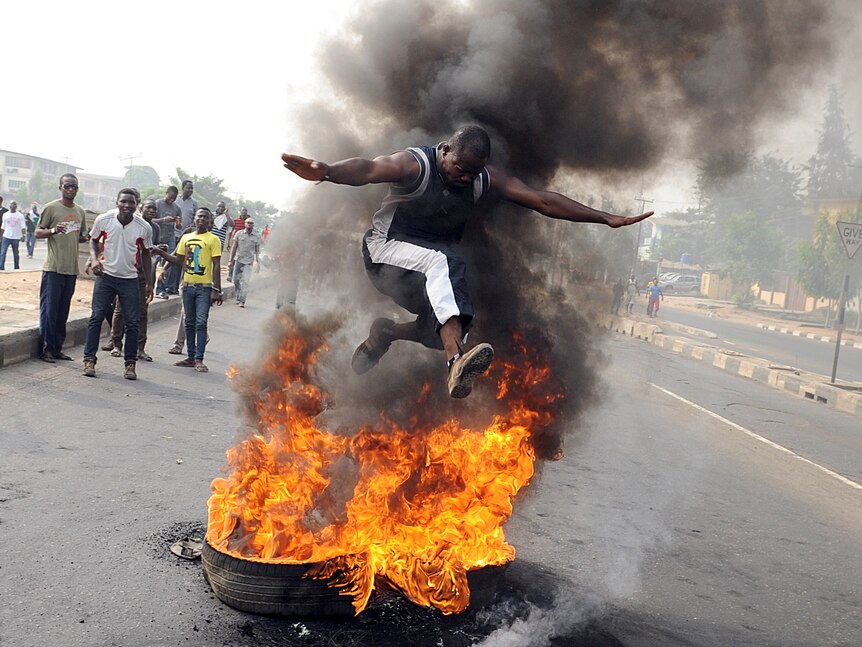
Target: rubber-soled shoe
{"x":46,"y":357}
{"x":467,"y":368}
{"x":176,"y":350}
{"x":89,"y":367}
{"x":61,"y":355}
{"x":129,"y":372}
{"x":108,"y":345}
{"x":368,"y":353}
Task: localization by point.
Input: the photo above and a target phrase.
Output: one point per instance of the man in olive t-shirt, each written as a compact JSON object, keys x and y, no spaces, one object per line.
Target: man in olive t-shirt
{"x":64,"y":225}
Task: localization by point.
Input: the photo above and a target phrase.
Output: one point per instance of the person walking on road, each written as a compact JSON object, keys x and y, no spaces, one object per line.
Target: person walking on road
{"x":126,"y":240}
{"x":655,"y":296}
{"x":632,"y":291}
{"x":31,"y":218}
{"x":63,"y":224}
{"x":244,"y":252}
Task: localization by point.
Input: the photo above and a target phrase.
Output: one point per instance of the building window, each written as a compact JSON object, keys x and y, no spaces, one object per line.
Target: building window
{"x":18,"y":162}
{"x":16,"y":184}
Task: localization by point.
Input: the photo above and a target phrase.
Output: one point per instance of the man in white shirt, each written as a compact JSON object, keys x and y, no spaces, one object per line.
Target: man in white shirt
{"x":14,"y":228}
{"x":128,"y":240}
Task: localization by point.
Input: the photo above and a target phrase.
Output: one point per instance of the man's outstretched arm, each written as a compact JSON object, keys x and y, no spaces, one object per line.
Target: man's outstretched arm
{"x":356,"y":171}
{"x":555,"y":205}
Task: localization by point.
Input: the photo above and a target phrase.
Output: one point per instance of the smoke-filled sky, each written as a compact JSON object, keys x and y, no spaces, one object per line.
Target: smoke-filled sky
{"x":215,"y":86}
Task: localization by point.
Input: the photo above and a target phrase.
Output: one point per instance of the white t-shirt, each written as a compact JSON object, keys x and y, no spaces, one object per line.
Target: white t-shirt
{"x":13,"y":223}
{"x":122,"y":245}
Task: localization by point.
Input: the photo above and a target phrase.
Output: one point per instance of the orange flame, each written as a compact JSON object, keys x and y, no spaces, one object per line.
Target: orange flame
{"x":423,"y":506}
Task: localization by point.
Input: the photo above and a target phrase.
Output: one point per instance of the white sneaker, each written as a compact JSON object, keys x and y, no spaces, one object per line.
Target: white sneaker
{"x":467,"y":368}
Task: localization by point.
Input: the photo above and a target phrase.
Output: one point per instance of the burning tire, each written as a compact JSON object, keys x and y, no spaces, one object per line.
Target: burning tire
{"x":271,"y":589}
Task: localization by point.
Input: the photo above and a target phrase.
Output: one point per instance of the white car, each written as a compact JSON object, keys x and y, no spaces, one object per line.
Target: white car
{"x":681,"y":284}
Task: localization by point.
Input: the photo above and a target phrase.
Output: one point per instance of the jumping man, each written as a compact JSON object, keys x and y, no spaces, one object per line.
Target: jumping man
{"x":409,"y":253}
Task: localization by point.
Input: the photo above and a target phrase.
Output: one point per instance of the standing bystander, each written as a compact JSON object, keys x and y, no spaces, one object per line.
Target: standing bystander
{"x":148,"y":212}
{"x":127,"y":240}
{"x":63,"y":224}
{"x":244,"y":252}
{"x":13,"y":227}
{"x":199,"y":252}
{"x":221,"y":225}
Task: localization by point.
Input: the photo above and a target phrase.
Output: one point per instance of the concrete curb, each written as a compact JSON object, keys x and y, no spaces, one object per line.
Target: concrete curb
{"x":800,"y":383}
{"x":22,"y":345}
{"x":808,"y":335}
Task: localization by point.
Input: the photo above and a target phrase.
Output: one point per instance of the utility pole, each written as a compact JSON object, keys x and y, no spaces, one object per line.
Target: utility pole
{"x":644,"y":201}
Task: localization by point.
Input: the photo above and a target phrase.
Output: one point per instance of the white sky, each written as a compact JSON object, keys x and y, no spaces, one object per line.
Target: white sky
{"x":203,"y":85}
{"x":209,"y":86}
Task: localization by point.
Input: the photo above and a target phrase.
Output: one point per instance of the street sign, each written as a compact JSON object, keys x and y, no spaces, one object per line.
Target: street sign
{"x":851,"y":236}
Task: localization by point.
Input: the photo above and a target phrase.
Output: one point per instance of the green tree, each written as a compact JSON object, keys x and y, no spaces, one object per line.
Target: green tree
{"x":829,"y":172}
{"x":823,"y":261}
{"x":141,"y":177}
{"x":767,"y":188}
{"x":749,"y":246}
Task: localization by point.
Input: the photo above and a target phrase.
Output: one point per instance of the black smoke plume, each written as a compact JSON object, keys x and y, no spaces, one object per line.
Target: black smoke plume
{"x":599,"y":88}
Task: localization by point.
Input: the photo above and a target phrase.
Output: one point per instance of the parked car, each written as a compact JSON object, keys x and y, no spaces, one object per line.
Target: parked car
{"x":681,"y":284}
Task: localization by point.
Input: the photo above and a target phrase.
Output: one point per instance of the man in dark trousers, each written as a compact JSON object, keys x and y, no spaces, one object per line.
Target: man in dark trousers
{"x":409,"y":252}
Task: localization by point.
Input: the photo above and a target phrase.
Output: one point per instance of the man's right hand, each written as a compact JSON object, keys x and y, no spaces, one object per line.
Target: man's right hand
{"x":305,"y":168}
{"x":62,"y":227}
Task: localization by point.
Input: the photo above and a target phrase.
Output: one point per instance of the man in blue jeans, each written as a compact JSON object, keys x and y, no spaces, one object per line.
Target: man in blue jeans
{"x":199,"y":253}
{"x":63,"y":225}
{"x":123,"y":240}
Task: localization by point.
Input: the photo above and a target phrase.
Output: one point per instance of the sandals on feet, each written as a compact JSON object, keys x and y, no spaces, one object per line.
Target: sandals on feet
{"x":200,"y":367}
{"x":187,"y":362}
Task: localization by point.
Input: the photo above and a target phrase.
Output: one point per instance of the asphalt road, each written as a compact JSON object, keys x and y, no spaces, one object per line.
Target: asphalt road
{"x":800,"y":352}
{"x":662,"y":525}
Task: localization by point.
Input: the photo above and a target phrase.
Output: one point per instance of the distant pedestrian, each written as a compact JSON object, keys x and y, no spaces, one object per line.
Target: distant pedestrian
{"x":13,"y":227}
{"x":244,"y":252}
{"x":199,"y":253}
{"x":2,"y":208}
{"x":618,"y":297}
{"x":126,"y":239}
{"x":31,"y":218}
{"x":64,"y":225}
{"x":655,"y":297}
{"x":631,"y":292}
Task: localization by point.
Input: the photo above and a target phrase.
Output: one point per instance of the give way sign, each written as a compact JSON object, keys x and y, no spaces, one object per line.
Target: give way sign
{"x":851,"y":236}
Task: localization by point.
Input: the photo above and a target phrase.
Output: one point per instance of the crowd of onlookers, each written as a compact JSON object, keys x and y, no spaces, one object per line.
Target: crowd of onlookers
{"x":187,"y":240}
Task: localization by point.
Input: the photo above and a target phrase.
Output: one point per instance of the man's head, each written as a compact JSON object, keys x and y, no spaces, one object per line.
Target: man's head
{"x":68,"y":186}
{"x":13,"y":206}
{"x":243,"y":213}
{"x":171,"y":194}
{"x":464,"y":156}
{"x":220,"y":208}
{"x":188,"y":189}
{"x":249,"y":225}
{"x":203,"y":219}
{"x":127,"y":201}
{"x":148,"y":209}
